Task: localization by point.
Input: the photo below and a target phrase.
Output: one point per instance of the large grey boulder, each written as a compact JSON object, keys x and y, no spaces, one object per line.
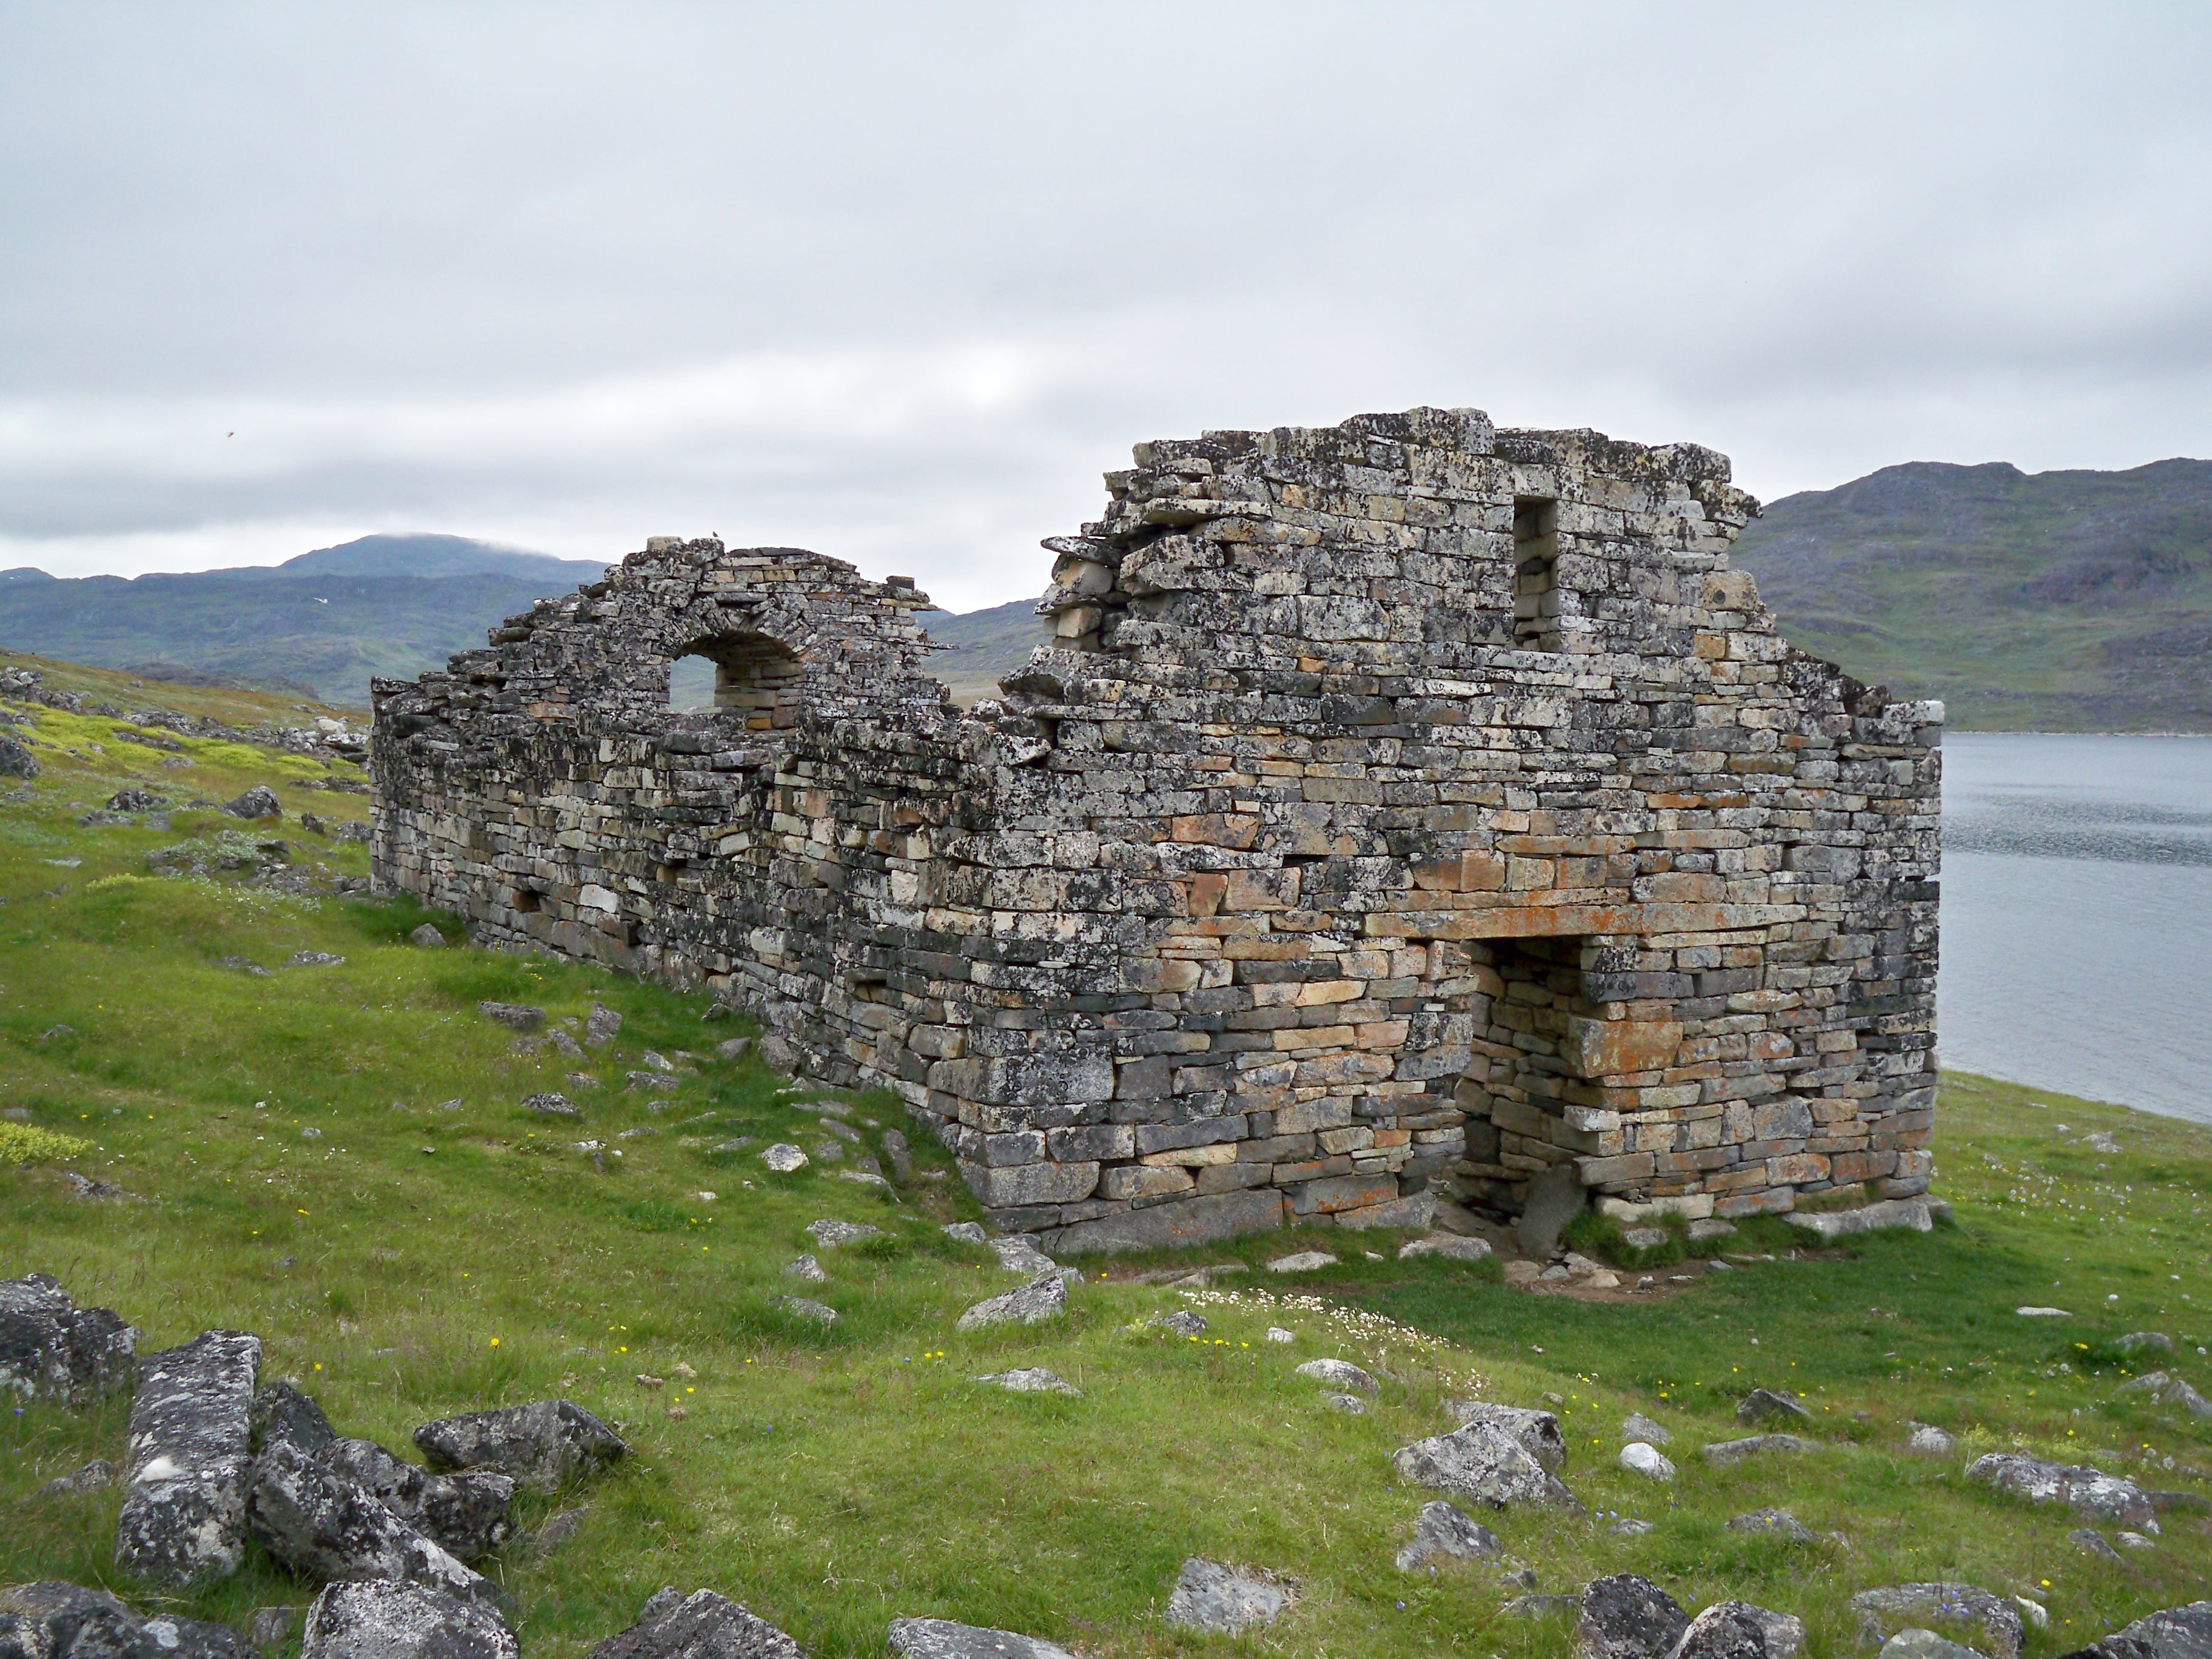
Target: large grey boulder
{"x":389,"y":1618}
{"x":2184,"y":1632}
{"x":55,"y":1620}
{"x":703,"y":1625}
{"x":191,"y":1461}
{"x":1441,"y":1531}
{"x":323,"y":1525}
{"x":1736,"y":1629}
{"x":1339,"y":1374}
{"x":1627,"y":1617}
{"x":541,"y":1444}
{"x":2088,"y":1492}
{"x":1538,"y":1432}
{"x":1043,"y":1298}
{"x":829,"y":1234}
{"x":1895,"y":1607}
{"x":940,"y":1639}
{"x":1483,"y":1462}
{"x":1210,"y":1597}
{"x":467,"y":1514}
{"x":51,"y":1349}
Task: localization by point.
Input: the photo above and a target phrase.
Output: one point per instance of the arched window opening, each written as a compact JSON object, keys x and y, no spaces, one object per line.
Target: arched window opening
{"x":747,"y":676}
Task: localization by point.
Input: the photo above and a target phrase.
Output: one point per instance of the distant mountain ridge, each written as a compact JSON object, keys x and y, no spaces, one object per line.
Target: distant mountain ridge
{"x":2061,"y":601}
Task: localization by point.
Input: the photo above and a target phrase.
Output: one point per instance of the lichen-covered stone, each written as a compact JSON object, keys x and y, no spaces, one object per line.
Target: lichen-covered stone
{"x":390,"y":1618}
{"x":50,"y":1619}
{"x":1485,"y":1463}
{"x":1347,"y":740}
{"x":703,"y":1625}
{"x":326,"y":1525}
{"x":191,"y":1460}
{"x":1443,"y":1532}
{"x":940,"y":1639}
{"x":1213,"y":1598}
{"x":541,"y":1444}
{"x":1627,"y":1617}
{"x":52,"y":1349}
{"x":1043,"y":1298}
{"x":2089,"y":1492}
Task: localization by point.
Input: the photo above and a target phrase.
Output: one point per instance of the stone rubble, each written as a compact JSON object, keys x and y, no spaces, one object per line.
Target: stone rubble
{"x":191,"y":1462}
{"x":52,"y":1349}
{"x":386,"y":1619}
{"x":1216,"y":1599}
{"x":1402,"y":809}
{"x":1043,"y":1298}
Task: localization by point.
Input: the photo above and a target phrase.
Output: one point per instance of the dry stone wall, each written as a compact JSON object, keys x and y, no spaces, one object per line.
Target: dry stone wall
{"x":1401,"y":808}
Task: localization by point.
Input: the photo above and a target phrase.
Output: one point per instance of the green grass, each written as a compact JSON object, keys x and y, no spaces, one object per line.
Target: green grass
{"x":412,"y":1261}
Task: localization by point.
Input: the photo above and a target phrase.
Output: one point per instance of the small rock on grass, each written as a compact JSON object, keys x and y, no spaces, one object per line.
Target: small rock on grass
{"x":2184,"y":1632}
{"x":541,"y":1444}
{"x":314,"y":959}
{"x":1043,"y":1298}
{"x":1183,"y":1321}
{"x":941,"y":1638}
{"x":601,"y":1027}
{"x":1034,"y":1380}
{"x":1644,"y":1239}
{"x":1350,"y":1404}
{"x":1772,"y":1524}
{"x":1483,"y":1462}
{"x":2090,"y":1542}
{"x":734,"y":1049}
{"x":819,"y":1313}
{"x":806,"y":1270}
{"x":1627,"y":1617}
{"x":1723,"y":1453}
{"x":1762,"y":1404}
{"x":2144,"y":1342}
{"x":830,"y":1235}
{"x":703,"y":1626}
{"x":385,"y":1618}
{"x":1210,"y":1597}
{"x":1639,"y":1458}
{"x":93,"y":1477}
{"x":1891,"y":1607}
{"x":515,"y":1015}
{"x":553,"y":1105}
{"x":2136,"y":1540}
{"x":1629,"y":1527}
{"x":1929,"y":1441}
{"x":1917,"y":1643}
{"x":1637,"y":1426}
{"x":1538,"y":1432}
{"x":1737,"y":1630}
{"x":1453,"y":1247}
{"x":558,"y":1531}
{"x":2089,"y":1492}
{"x":1277,"y":1333}
{"x":1017,"y":1254}
{"x":964,"y":1232}
{"x":1302,"y":1262}
{"x":1339,"y":1374}
{"x":428,"y":937}
{"x":783,"y":1158}
{"x":1443,"y":1531}
{"x":267,"y":1629}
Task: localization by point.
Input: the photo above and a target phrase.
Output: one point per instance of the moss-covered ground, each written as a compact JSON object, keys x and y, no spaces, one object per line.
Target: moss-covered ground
{"x":301,"y":1168}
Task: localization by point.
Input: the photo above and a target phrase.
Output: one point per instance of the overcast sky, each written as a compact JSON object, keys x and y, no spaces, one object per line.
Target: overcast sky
{"x":897,"y":282}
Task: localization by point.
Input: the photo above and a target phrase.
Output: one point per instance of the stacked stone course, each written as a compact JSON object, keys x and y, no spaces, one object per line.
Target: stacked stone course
{"x":1399,"y":807}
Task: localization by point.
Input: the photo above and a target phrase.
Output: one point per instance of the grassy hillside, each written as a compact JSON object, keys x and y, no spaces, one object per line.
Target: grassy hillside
{"x":2059,"y":601}
{"x":335,"y":1157}
{"x":985,"y":644}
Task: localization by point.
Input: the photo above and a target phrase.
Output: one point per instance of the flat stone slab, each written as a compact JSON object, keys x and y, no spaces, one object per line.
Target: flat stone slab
{"x":1895,"y":1607}
{"x":821,"y":1313}
{"x":784,"y":1158}
{"x":2090,"y":1494}
{"x":1724,"y":1453}
{"x":1442,"y":1532}
{"x":1017,"y":1254}
{"x":1302,"y":1262}
{"x":385,"y":1619}
{"x":703,"y":1626}
{"x":191,"y":1462}
{"x":1340,"y":1373}
{"x":1043,"y":1298}
{"x":467,"y":1515}
{"x":1637,"y":1426}
{"x":832,"y":1235}
{"x":541,"y":1444}
{"x":515,"y":1015}
{"x":1918,"y":1214}
{"x":1210,"y":1597}
{"x":52,"y":1349}
{"x":1763,"y":1405}
{"x":1452,"y":1247}
{"x":940,"y":1639}
{"x":1034,"y":1381}
{"x":1485,"y":1463}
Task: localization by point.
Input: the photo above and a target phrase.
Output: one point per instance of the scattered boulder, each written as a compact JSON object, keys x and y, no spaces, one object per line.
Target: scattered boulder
{"x":390,"y":1619}
{"x":1017,"y":1254}
{"x":191,"y":1449}
{"x":1723,"y":1453}
{"x":778,"y":1053}
{"x":1637,"y":1426}
{"x":1350,"y":1404}
{"x":964,"y":1232}
{"x":314,"y":959}
{"x":1893,"y":1606}
{"x":784,"y":1158}
{"x":1453,"y":1247}
{"x":55,"y":1620}
{"x":1762,"y":1405}
{"x":515,"y":1015}
{"x":51,"y":1349}
{"x":2167,"y":1390}
{"x":1277,"y":1333}
{"x":1043,"y":1298}
{"x":1627,"y":1617}
{"x":1340,"y":1373}
{"x":821,"y":1313}
{"x":137,"y":800}
{"x":541,"y":1444}
{"x":734,"y":1049}
{"x":465,"y":1514}
{"x":551,"y":1104}
{"x":1031,"y":1382}
{"x":2144,"y":1342}
{"x":95,"y":1476}
{"x":2184,"y":1632}
{"x":940,"y":1639}
{"x":703,"y":1625}
{"x":601,"y":1027}
{"x":1484,"y":1462}
{"x":559,"y":1528}
{"x":284,"y":1416}
{"x":1640,"y":1457}
{"x":1913,"y":1643}
{"x":1302,"y":1262}
{"x":1929,"y":1441}
{"x":16,"y":760}
{"x":1629,"y":1527}
{"x":428,"y":937}
{"x":1213,"y":1598}
{"x":806,"y":1270}
{"x":1736,"y":1629}
{"x":1443,"y":1530}
{"x":1772,"y":1524}
{"x":317,"y":1522}
{"x":1538,"y":1431}
{"x":2100,"y":1140}
{"x":258,"y":802}
{"x":2090,"y":1494}
{"x":2091,"y":1543}
{"x":829,"y":1234}
{"x":1183,"y":1321}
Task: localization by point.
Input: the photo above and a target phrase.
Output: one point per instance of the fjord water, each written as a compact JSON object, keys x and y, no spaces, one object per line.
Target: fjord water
{"x":2077,"y":915}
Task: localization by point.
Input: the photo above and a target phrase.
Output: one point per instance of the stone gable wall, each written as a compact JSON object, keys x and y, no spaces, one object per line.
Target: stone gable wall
{"x":1287,"y":881}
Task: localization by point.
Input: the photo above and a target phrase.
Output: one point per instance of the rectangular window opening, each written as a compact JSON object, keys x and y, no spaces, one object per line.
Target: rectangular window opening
{"x":1535,"y":562}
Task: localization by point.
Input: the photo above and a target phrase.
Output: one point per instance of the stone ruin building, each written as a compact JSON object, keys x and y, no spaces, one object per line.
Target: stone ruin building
{"x":1397,"y":809}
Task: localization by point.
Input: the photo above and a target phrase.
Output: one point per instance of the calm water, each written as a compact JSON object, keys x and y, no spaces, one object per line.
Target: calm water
{"x":2077,"y":915}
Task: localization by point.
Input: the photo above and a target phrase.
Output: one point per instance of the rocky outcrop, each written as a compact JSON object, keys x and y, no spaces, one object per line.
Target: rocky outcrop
{"x":51,"y":1349}
{"x":1442,"y":1532}
{"x":1625,"y":1617}
{"x":191,"y":1458}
